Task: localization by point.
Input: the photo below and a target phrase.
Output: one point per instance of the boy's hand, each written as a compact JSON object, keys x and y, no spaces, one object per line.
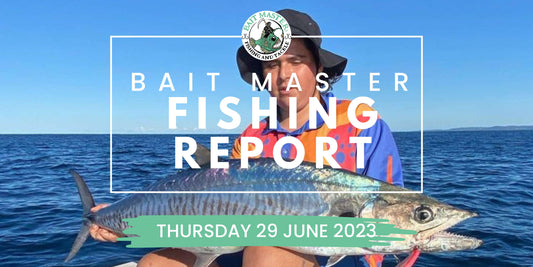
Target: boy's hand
{"x":99,"y":233}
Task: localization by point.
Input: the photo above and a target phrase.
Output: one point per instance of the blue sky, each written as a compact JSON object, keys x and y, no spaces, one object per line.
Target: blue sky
{"x":54,"y":62}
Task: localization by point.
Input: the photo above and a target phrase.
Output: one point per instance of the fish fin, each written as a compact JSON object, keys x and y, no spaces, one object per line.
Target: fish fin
{"x":202,"y":155}
{"x":203,"y":260}
{"x":87,"y":202}
{"x":334,"y":260}
{"x":80,"y":239}
{"x":86,"y":197}
{"x":411,"y":259}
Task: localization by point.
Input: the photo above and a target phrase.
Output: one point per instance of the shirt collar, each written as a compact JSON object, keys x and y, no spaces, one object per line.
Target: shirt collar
{"x":319,"y":121}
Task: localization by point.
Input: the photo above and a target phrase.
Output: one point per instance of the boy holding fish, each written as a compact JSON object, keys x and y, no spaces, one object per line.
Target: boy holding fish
{"x":305,"y":58}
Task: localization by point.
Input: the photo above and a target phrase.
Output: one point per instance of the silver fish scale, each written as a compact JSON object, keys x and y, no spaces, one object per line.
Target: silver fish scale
{"x":209,"y":204}
{"x":265,"y":175}
{"x":262,"y":175}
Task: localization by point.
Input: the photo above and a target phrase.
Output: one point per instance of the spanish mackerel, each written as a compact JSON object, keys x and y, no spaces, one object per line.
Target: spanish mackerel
{"x":411,"y":211}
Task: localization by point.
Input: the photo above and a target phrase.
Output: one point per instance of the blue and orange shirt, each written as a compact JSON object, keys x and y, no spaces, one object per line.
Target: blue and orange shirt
{"x":381,"y":155}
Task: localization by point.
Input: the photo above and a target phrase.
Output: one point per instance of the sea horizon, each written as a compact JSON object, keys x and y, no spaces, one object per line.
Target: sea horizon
{"x":466,"y":129}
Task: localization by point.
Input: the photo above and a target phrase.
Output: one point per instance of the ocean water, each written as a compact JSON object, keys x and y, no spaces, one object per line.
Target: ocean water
{"x":487,"y":172}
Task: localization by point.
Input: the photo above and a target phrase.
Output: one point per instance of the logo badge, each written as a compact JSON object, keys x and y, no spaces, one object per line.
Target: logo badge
{"x":266,"y":35}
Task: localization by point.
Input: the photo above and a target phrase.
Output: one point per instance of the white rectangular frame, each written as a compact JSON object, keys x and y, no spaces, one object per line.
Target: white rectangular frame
{"x":421,"y":37}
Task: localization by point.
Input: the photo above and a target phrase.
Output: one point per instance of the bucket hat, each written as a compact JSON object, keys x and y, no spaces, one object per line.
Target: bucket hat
{"x":301,"y":25}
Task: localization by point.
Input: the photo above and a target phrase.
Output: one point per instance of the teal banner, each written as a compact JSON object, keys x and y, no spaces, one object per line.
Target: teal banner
{"x":259,"y":230}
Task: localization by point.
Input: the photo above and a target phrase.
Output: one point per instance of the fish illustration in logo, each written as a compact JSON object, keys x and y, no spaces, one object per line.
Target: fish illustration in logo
{"x":269,"y":41}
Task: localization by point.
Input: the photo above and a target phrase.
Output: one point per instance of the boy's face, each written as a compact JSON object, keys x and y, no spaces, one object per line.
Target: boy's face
{"x":299,"y":60}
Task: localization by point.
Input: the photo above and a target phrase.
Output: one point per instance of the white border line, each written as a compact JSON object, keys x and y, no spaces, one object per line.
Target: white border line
{"x":238,"y":36}
{"x":111,"y":114}
{"x":421,"y":114}
{"x":421,"y":37}
{"x":261,"y":192}
{"x":171,"y":36}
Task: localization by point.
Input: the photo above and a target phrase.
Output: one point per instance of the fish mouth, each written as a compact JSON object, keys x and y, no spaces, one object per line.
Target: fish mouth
{"x":437,"y":239}
{"x":446,"y":241}
{"x":445,"y":234}
{"x":460,"y":216}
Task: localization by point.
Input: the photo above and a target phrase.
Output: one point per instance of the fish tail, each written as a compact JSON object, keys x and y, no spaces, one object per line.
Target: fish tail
{"x":87,"y":202}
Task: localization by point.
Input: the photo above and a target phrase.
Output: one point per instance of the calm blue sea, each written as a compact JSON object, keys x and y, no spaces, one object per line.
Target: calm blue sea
{"x":487,"y":172}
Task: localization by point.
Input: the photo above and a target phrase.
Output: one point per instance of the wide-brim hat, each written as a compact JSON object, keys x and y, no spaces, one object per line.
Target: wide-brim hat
{"x":301,"y":25}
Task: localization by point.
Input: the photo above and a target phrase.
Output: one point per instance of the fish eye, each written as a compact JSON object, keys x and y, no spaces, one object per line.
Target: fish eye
{"x":423,"y":214}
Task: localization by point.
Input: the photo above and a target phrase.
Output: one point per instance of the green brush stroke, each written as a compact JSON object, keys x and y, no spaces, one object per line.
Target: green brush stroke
{"x":148,"y":234}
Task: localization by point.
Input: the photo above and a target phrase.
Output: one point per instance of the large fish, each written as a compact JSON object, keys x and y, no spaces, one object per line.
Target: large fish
{"x":418,"y":212}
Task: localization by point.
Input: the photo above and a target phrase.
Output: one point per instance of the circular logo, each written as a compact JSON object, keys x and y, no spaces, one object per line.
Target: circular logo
{"x":266,"y":35}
